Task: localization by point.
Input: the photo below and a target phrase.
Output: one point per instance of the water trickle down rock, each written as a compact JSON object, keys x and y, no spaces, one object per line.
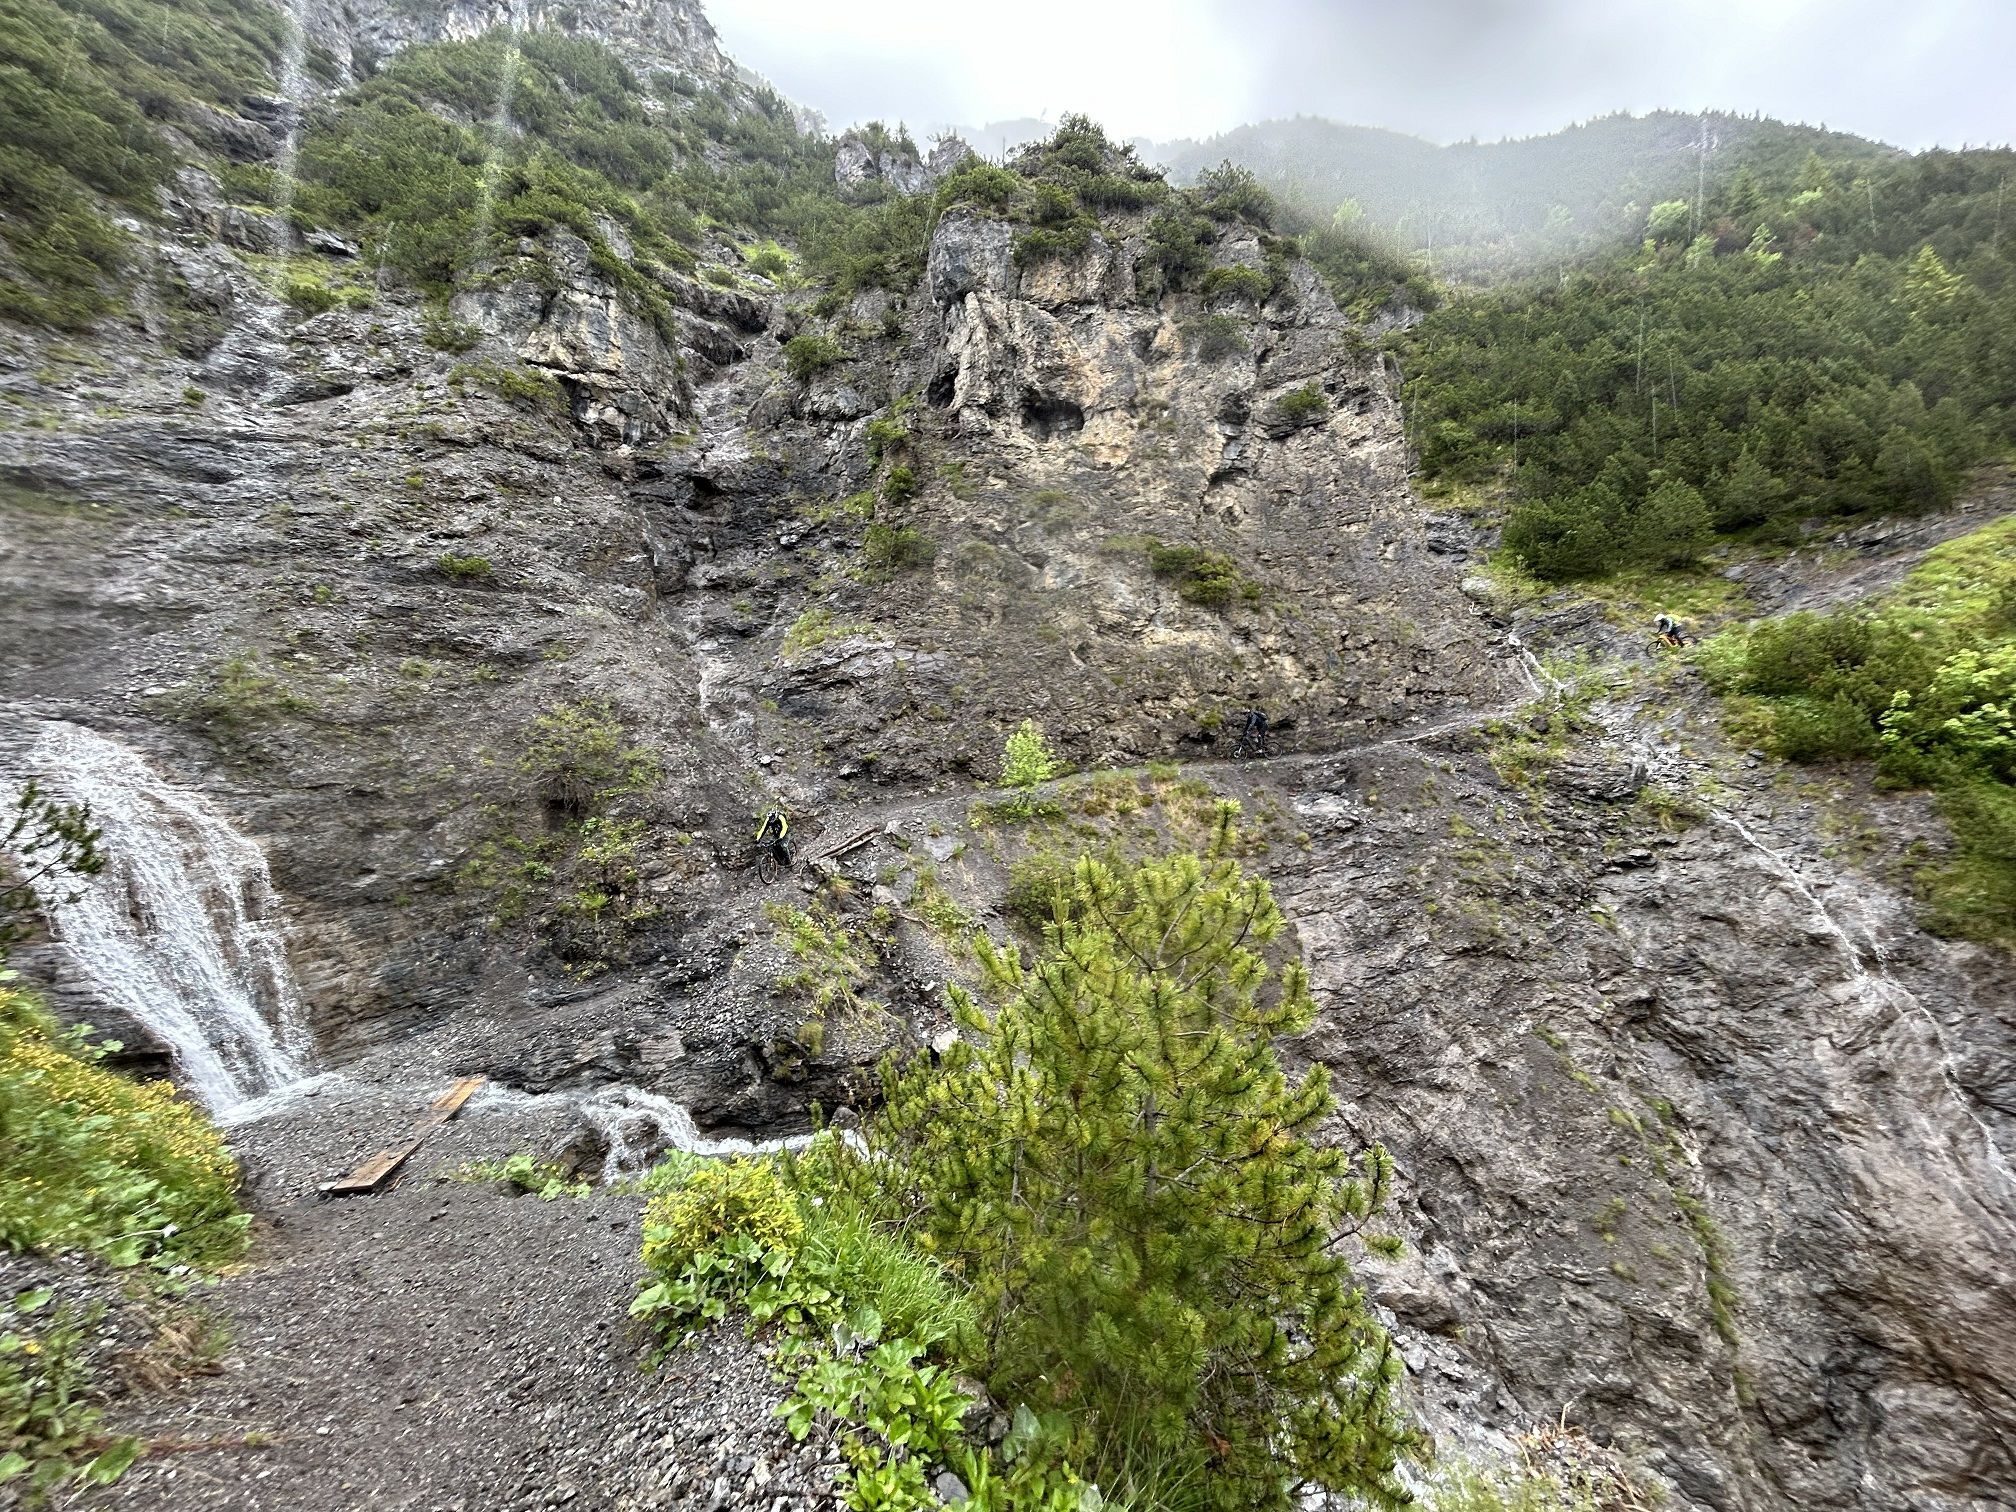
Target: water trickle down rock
{"x":182,"y":930}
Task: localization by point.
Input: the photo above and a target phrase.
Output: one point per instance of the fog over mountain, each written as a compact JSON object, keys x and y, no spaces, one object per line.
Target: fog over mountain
{"x":1918,"y":76}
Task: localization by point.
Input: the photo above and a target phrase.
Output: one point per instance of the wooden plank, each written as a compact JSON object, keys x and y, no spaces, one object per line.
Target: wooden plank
{"x":852,"y":842}
{"x":376,"y":1171}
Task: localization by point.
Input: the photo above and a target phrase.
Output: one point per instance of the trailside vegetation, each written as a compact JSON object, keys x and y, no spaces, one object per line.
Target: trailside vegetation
{"x":1922,"y":682}
{"x":90,"y":1161}
{"x":1821,"y":348}
{"x":1104,"y":1202}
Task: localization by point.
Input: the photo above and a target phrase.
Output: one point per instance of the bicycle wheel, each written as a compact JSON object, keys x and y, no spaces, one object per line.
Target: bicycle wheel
{"x":767,"y":869}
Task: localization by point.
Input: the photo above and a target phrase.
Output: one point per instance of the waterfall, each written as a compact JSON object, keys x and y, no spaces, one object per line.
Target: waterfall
{"x":182,"y":930}
{"x":294,"y":89}
{"x":500,"y":119}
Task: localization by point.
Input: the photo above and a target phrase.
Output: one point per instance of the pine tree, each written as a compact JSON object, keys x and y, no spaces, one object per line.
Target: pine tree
{"x":1115,"y":1162}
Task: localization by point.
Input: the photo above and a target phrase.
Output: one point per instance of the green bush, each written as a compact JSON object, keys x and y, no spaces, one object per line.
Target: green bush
{"x":1236,"y":283}
{"x":51,"y":1432}
{"x":811,"y":352}
{"x":1923,"y":680}
{"x":1026,"y":758}
{"x":978,"y":182}
{"x":901,"y":484}
{"x":444,"y":333}
{"x":1231,"y":193}
{"x":1213,"y":337}
{"x":1304,"y":406}
{"x":1201,"y":576}
{"x":768,"y":260}
{"x":307,"y":292}
{"x":887,"y":437}
{"x":463,"y":568}
{"x":1203,"y":1335}
{"x":890,"y":549}
{"x":92,"y":1161}
{"x":518,"y":384}
{"x":1036,"y":885}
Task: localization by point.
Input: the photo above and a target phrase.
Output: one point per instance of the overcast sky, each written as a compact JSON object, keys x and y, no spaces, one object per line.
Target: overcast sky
{"x":1912,"y":72}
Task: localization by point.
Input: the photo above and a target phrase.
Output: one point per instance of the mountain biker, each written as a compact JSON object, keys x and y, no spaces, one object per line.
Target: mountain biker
{"x":1253,"y":734}
{"x":771,"y":831}
{"x":1669,"y":630}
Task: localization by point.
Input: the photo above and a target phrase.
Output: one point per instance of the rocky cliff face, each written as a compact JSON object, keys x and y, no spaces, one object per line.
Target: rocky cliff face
{"x":1699,"y":1138}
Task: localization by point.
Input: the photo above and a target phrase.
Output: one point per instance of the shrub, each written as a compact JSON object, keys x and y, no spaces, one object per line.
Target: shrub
{"x":815,"y":627}
{"x":578,"y":760}
{"x":1966,"y":715}
{"x":444,"y":333}
{"x":1236,"y":283}
{"x":1303,"y":406}
{"x":515,"y":384}
{"x":51,"y":1431}
{"x":901,"y":485}
{"x":887,"y":436}
{"x":730,"y":1198}
{"x":978,"y":182}
{"x":92,"y":1161}
{"x":1820,"y":729}
{"x":811,"y":352}
{"x":1200,"y":1332}
{"x":1209,"y":578}
{"x":1217,"y":336}
{"x":544,"y":1179}
{"x":1231,"y":193}
{"x":769,"y":260}
{"x":307,"y":293}
{"x":1026,"y":758}
{"x":890,"y":549}
{"x":462,"y":568}
{"x":1036,"y":884}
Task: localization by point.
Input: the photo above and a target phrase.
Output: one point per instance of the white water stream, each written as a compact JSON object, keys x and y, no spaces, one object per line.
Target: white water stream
{"x":182,"y":930}
{"x":294,"y":88}
{"x":638,"y":1126}
{"x":500,"y":117}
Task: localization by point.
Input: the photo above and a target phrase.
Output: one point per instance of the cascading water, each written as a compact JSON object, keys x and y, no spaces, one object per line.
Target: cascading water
{"x":182,"y":930}
{"x":294,"y":90}
{"x":638,"y":1126}
{"x":500,"y":118}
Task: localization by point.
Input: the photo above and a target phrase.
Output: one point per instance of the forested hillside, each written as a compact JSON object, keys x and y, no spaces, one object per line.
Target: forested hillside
{"x":1481,"y":211}
{"x":1758,"y":360}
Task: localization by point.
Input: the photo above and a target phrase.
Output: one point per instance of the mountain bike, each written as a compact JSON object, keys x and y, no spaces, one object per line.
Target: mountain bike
{"x":1252,"y":746}
{"x":770,"y":862}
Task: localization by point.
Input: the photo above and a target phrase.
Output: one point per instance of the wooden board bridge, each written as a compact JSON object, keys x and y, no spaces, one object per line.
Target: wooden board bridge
{"x":379,"y":1169}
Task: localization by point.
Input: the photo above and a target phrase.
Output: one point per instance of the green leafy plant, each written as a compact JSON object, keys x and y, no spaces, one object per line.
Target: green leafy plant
{"x":1202,"y":576}
{"x":1026,"y":758}
{"x":93,"y":1161}
{"x":50,"y":1427}
{"x":890,"y":549}
{"x":1304,"y":406}
{"x":463,"y":568}
{"x":543,"y":1179}
{"x":812,"y":352}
